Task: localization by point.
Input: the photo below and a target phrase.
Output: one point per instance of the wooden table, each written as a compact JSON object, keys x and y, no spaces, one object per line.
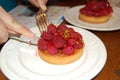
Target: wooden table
{"x":111,"y":39}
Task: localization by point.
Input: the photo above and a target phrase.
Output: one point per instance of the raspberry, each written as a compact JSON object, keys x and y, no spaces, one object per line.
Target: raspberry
{"x":62,"y":27}
{"x":110,"y":10}
{"x":52,"y":49}
{"x":47,"y":36}
{"x":78,"y":45}
{"x":52,"y":28}
{"x":94,"y":7}
{"x":71,"y":41}
{"x":102,"y":5}
{"x":83,"y":10}
{"x":97,"y":14}
{"x":42,"y":44}
{"x":71,"y":31}
{"x":76,"y":35}
{"x":68,"y":50}
{"x":104,"y":12}
{"x":89,"y":13}
{"x":58,"y":41}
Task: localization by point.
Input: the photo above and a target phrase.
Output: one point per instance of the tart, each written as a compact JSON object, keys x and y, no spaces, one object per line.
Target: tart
{"x":96,"y":12}
{"x":60,"y":45}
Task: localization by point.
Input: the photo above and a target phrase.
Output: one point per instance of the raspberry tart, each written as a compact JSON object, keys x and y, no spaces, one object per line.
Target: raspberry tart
{"x":96,"y":12}
{"x":60,"y":45}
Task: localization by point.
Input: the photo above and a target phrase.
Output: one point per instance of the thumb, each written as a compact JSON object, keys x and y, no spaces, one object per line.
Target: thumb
{"x":3,"y":33}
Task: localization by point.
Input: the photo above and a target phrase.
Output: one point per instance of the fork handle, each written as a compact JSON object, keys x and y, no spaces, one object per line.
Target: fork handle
{"x":23,"y":39}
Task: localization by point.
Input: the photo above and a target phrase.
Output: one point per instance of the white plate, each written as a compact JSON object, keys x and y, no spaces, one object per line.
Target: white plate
{"x":19,"y":61}
{"x":72,"y":16}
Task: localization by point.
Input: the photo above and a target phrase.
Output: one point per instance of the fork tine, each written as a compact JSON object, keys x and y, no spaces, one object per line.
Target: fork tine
{"x":41,"y":21}
{"x":37,"y":22}
{"x":45,"y":21}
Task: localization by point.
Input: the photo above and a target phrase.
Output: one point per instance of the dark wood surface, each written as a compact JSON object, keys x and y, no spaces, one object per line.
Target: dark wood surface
{"x":111,"y":39}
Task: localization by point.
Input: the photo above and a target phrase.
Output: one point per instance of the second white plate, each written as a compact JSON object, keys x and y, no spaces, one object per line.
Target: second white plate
{"x":72,"y":16}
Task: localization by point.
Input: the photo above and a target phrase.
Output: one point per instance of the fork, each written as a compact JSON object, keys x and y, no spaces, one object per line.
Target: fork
{"x":42,"y":26}
{"x":41,"y":21}
{"x":23,"y":39}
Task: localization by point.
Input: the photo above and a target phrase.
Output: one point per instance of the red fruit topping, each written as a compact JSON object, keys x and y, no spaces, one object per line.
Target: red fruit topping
{"x":52,"y":28}
{"x":68,"y":50}
{"x":61,"y":39}
{"x":42,"y":44}
{"x":58,"y":41}
{"x":52,"y":49}
{"x":47,"y":36}
{"x":95,"y":8}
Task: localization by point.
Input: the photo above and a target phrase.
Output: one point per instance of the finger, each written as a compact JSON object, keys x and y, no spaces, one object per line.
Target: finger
{"x":3,"y":33}
{"x":34,"y":2}
{"x":42,"y":4}
{"x":13,"y":25}
{"x":10,"y":32}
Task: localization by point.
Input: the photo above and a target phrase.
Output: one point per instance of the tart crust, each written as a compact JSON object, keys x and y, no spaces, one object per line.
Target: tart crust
{"x":60,"y":58}
{"x":93,"y":19}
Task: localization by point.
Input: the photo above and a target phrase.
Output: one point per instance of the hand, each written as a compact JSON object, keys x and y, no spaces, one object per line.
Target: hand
{"x":40,"y":4}
{"x":8,"y":26}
